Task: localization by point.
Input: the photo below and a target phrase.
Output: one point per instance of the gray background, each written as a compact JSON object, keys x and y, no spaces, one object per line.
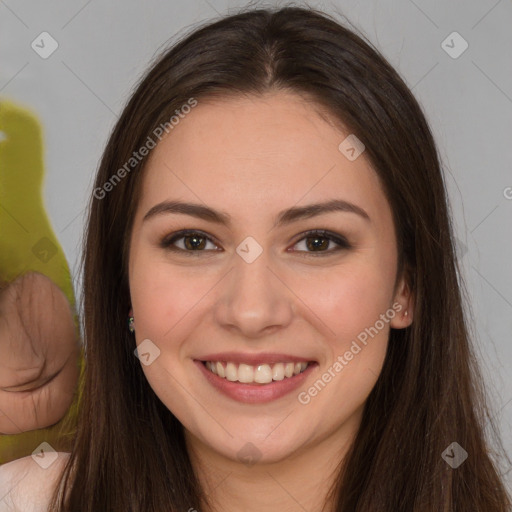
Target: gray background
{"x":104,"y":48}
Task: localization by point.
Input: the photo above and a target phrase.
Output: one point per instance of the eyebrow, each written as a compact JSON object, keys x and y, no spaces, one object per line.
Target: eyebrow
{"x":284,"y":217}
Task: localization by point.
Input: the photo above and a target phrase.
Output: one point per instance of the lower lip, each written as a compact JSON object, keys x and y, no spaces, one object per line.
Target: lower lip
{"x":255,"y":393}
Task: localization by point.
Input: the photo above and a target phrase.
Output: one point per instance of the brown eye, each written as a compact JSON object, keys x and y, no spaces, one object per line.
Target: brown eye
{"x":193,"y":241}
{"x":319,"y":241}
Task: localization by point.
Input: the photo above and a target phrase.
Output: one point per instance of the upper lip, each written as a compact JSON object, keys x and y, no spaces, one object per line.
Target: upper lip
{"x":248,"y":358}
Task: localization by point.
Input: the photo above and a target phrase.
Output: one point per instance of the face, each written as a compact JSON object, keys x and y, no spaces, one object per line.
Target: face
{"x":253,"y":287}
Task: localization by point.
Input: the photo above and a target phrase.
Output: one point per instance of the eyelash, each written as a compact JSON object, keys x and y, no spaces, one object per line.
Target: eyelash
{"x":167,"y":242}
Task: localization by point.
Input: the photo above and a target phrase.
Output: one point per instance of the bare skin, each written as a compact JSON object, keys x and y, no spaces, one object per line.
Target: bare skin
{"x":39,"y":350}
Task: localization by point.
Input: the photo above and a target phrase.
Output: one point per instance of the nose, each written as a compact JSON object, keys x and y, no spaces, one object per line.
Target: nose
{"x":254,"y":302}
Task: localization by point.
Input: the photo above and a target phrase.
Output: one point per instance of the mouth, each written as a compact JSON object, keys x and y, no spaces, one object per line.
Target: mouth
{"x":255,"y":383}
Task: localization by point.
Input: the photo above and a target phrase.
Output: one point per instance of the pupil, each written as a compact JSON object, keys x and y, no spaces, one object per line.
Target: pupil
{"x":318,"y":243}
{"x":191,"y":242}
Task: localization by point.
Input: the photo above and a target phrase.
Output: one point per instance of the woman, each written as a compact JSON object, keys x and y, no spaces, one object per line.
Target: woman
{"x":268,"y":376}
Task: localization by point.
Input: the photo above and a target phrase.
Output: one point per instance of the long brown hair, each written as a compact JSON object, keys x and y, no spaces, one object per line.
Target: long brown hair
{"x":129,"y":453}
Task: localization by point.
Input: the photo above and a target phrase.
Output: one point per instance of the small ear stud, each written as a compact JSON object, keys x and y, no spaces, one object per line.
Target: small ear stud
{"x":131,"y":320}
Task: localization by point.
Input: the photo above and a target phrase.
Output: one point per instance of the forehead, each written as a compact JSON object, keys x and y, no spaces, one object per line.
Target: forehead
{"x":255,"y":154}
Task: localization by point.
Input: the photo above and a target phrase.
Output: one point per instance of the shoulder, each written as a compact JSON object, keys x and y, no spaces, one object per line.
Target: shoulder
{"x":26,"y":485}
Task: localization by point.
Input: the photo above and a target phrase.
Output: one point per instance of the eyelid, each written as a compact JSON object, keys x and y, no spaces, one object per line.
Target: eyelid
{"x":340,"y":240}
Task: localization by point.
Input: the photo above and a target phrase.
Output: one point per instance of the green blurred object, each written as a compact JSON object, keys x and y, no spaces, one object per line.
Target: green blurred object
{"x":28,"y":243}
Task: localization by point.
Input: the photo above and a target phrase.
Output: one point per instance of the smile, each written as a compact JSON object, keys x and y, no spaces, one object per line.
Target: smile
{"x":261,"y":373}
{"x":257,"y":383}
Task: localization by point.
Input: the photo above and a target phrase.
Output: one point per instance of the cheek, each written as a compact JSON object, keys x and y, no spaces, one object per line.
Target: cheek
{"x":349,"y":298}
{"x":165,"y":307}
{"x":161,"y":300}
{"x":357,"y":310}
{"x":355,"y":305}
{"x":161,"y":293}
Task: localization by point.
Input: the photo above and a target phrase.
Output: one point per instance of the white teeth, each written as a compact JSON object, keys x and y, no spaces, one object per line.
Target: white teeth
{"x":220,"y":370}
{"x":231,"y":372}
{"x":278,"y":371}
{"x":245,"y":373}
{"x":288,"y":369}
{"x":262,"y":373}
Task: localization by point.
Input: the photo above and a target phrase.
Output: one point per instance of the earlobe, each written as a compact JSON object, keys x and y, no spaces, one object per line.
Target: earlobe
{"x":404,"y":306}
{"x":404,"y":316}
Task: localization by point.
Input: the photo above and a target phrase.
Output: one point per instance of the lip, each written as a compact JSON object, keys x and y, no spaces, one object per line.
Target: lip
{"x":253,"y":359}
{"x":256,"y":393}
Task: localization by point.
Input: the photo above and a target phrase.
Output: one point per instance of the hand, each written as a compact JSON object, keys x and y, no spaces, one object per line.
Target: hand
{"x":39,"y":351}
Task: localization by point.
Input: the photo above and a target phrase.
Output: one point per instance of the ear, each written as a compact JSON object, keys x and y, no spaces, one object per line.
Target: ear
{"x":130,"y":313}
{"x":403,"y":305}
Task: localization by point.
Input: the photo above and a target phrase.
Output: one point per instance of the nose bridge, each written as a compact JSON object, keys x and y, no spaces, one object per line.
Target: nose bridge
{"x":253,"y":298}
